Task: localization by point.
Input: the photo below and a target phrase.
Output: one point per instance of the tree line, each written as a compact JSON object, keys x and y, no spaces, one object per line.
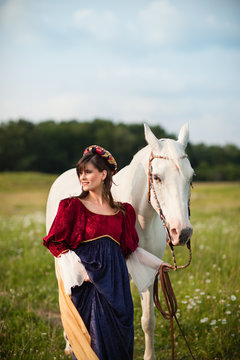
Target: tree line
{"x":54,"y":147}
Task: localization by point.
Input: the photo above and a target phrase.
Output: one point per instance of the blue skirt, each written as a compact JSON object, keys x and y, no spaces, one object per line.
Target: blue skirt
{"x":105,"y":304}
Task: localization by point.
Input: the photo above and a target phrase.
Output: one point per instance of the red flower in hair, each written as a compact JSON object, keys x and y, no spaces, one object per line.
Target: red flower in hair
{"x":96,"y":149}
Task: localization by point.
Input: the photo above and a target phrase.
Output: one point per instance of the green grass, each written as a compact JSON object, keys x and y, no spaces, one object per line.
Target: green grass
{"x":208,"y":292}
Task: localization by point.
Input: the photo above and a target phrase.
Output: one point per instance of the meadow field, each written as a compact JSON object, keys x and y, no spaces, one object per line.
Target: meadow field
{"x":208,"y":292}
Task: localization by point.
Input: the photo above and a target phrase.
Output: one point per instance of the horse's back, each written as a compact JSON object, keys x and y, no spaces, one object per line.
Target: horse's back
{"x":66,"y":185}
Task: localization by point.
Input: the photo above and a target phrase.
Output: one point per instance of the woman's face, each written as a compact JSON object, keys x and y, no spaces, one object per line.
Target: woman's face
{"x":91,"y":178}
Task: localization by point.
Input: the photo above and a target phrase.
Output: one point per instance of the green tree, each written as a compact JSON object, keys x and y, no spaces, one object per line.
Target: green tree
{"x":54,"y":147}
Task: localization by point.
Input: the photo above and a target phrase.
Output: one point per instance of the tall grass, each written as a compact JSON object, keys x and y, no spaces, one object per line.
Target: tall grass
{"x":207,"y":292}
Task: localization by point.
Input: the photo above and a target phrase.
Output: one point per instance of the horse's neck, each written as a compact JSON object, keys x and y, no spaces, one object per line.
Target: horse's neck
{"x":131,"y":185}
{"x":134,"y":184}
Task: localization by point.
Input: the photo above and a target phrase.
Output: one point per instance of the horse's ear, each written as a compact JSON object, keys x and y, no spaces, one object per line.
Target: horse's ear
{"x":183,"y":136}
{"x":151,"y":139}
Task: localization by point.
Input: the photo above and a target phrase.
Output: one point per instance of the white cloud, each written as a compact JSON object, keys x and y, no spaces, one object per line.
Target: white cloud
{"x":141,"y":79}
{"x":103,"y":25}
{"x":17,"y":23}
{"x":11,"y":11}
{"x":188,"y":24}
{"x":216,"y":23}
{"x":63,"y":105}
{"x":160,"y":22}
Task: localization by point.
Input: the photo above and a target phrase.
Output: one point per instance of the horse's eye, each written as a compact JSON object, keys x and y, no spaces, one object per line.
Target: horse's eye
{"x":157,"y":178}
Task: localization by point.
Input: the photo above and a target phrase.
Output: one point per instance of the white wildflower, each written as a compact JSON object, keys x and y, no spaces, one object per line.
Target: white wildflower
{"x":192,"y":302}
{"x":233,"y":298}
{"x":213,"y":322}
{"x":204,"y":320}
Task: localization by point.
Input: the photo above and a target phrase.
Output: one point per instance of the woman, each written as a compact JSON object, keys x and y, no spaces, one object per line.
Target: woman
{"x":91,"y":236}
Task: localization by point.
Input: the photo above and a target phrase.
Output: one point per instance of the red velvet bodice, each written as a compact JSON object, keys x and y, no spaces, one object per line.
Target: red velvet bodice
{"x":74,"y":223}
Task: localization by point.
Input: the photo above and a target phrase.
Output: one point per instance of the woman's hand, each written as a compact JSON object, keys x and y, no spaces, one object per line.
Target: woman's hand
{"x":166,"y":267}
{"x":87,"y":278}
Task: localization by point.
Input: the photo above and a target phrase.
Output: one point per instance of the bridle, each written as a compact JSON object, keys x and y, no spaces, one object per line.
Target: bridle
{"x":161,"y":215}
{"x":167,"y":289}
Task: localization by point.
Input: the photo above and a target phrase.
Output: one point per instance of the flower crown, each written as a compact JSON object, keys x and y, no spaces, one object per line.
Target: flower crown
{"x":96,"y":149}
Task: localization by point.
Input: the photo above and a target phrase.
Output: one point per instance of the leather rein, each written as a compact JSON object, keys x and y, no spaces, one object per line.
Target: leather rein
{"x":166,"y":286}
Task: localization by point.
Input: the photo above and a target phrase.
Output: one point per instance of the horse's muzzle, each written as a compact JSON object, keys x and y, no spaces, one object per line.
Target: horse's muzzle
{"x":185,"y":235}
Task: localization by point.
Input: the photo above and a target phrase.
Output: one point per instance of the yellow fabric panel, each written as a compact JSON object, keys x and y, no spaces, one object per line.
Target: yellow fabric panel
{"x":74,"y":327}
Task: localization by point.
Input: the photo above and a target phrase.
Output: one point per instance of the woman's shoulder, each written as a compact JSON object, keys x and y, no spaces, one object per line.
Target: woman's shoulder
{"x":70,"y":202}
{"x":127,"y":205}
{"x":129,"y":209}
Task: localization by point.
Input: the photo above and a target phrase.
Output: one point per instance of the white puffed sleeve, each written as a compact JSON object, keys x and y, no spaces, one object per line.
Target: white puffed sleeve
{"x":143,"y":266}
{"x":72,"y":271}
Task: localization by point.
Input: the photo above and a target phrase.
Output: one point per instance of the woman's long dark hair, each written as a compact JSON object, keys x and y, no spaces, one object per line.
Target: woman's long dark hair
{"x":101,"y":164}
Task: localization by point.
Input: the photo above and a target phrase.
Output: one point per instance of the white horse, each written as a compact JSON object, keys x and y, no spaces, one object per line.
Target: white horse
{"x":165,"y":163}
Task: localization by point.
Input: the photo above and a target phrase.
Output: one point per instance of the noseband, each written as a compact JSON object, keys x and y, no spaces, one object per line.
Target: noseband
{"x":161,"y":215}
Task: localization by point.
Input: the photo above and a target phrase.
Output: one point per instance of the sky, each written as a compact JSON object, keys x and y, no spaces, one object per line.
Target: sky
{"x":163,"y":62}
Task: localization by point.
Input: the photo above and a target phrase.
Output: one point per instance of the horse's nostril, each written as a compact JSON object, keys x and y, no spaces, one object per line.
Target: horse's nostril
{"x":185,"y":235}
{"x":174,"y":232}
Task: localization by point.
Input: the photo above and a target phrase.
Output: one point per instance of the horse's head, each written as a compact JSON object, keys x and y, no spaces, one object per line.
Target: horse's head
{"x":170,"y":177}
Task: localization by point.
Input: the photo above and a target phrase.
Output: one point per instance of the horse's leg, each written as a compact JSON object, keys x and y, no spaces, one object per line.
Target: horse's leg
{"x":68,"y":348}
{"x":148,"y":323}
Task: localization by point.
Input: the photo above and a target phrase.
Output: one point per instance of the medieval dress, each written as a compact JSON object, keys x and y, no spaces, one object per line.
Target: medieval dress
{"x":101,"y":242}
{"x":99,"y":245}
